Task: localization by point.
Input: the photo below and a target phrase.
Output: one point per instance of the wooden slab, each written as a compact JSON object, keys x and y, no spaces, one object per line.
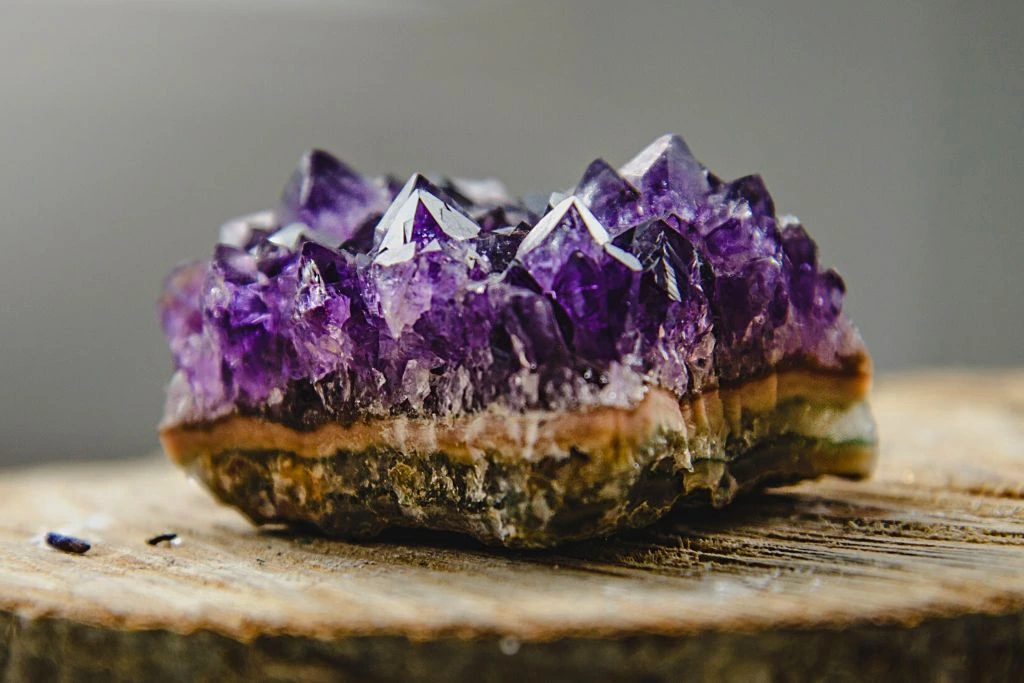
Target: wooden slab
{"x":917,"y":573}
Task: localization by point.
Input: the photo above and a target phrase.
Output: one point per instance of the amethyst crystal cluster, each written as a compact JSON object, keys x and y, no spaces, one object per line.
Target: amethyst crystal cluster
{"x":442,"y":297}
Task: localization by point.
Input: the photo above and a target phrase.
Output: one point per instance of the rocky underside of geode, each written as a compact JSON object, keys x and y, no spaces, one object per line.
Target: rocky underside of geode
{"x":536,"y":478}
{"x":529,"y":372}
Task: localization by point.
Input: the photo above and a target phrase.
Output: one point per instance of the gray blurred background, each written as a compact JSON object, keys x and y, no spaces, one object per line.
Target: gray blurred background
{"x":130,"y":130}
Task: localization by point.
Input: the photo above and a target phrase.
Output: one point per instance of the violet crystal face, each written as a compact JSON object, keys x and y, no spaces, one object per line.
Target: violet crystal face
{"x":443,"y":297}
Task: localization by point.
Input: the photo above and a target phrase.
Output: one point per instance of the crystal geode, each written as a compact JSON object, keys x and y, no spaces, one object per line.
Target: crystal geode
{"x":439,"y":354}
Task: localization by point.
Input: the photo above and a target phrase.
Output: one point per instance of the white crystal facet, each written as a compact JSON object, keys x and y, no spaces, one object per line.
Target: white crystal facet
{"x":551,"y":220}
{"x":666,"y":145}
{"x":399,"y":231}
{"x":238,"y":231}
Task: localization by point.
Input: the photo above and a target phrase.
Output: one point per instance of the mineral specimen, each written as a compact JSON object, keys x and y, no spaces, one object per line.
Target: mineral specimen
{"x":442,"y":355}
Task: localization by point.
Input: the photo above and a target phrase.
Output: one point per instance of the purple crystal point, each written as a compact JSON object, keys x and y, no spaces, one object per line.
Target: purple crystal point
{"x":802,"y":261}
{"x":828,"y":296}
{"x":674,"y":315}
{"x":569,"y":255}
{"x":751,"y":189}
{"x":420,"y":257}
{"x":731,"y":246}
{"x":326,"y":293}
{"x":567,"y":228}
{"x":422,"y":219}
{"x":527,"y":332}
{"x":747,"y":292}
{"x":404,"y":205}
{"x":667,"y":175}
{"x":611,"y":198}
{"x":197,"y":389}
{"x":668,"y":259}
{"x":596,"y":299}
{"x":328,"y":196}
{"x":816,"y":297}
{"x":499,"y":245}
{"x":246,"y":310}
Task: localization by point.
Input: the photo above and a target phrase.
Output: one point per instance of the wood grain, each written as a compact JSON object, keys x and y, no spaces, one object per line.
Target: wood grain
{"x":917,"y":572}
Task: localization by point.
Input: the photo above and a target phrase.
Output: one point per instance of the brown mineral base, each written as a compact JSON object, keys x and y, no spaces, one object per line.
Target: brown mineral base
{"x":537,"y":479}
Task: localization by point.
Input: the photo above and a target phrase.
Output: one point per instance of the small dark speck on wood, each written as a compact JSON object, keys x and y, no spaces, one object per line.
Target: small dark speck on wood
{"x":68,"y":544}
{"x":162,"y":538}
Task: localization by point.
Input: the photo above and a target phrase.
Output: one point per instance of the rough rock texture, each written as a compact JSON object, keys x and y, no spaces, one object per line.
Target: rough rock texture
{"x":516,"y":503}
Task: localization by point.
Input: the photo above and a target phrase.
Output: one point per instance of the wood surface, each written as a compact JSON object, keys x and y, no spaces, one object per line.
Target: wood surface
{"x":917,"y":573}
